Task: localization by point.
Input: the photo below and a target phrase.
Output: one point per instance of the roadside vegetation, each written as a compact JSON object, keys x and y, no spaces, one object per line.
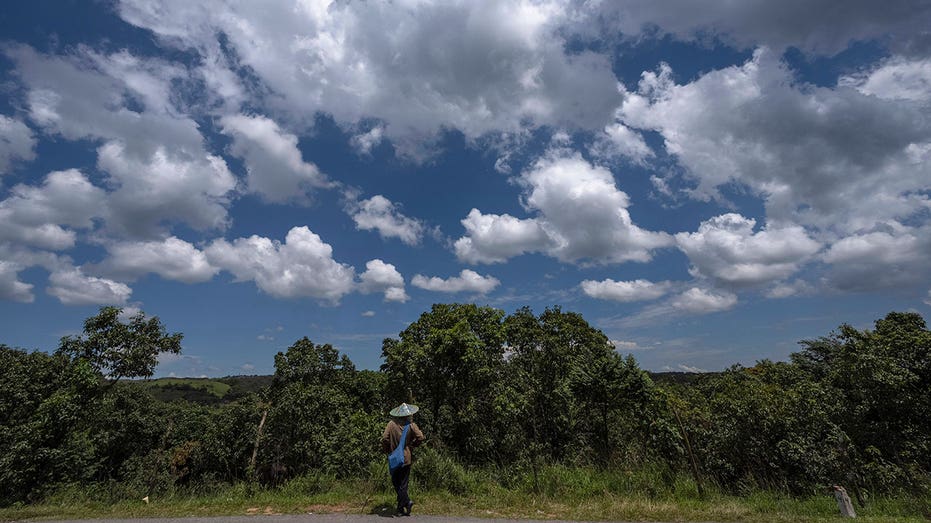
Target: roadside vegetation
{"x":526,"y":415}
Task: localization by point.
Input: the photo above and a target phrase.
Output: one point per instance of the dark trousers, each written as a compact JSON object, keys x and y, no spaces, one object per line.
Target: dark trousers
{"x":399,"y":477}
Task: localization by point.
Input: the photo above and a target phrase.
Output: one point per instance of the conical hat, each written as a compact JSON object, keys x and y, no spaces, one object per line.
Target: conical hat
{"x":404,"y":410}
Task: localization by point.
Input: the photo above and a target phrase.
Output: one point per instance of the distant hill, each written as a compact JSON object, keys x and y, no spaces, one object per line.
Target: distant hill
{"x":679,"y":378}
{"x":206,"y":391}
{"x":215,"y":391}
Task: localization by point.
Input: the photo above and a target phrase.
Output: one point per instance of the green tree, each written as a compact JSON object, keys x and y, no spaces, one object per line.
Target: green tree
{"x":121,"y":350}
{"x":310,"y":397}
{"x":448,"y":360}
{"x":44,"y":440}
{"x":580,"y":394}
{"x":882,"y":377}
{"x":768,"y":426}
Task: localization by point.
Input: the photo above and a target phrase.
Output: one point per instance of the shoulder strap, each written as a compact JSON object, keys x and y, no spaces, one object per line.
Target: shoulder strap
{"x":403,"y":442}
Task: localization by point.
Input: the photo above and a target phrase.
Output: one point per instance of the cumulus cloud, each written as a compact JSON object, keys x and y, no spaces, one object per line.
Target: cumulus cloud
{"x":727,"y":250}
{"x":692,"y":302}
{"x":15,"y":258}
{"x":467,"y":281}
{"x":893,"y":256}
{"x":72,"y":287}
{"x":625,"y":291}
{"x":275,"y":167}
{"x":10,"y":286}
{"x":703,"y":301}
{"x":301,"y":266}
{"x":171,"y":258}
{"x":494,"y":238}
{"x":825,"y":28}
{"x":40,"y":216}
{"x":153,"y":155}
{"x":161,"y":189}
{"x":365,"y":142}
{"x":618,"y":140}
{"x":478,"y":67}
{"x":581,"y":216}
{"x":834,"y":159}
{"x":383,"y":215}
{"x":383,"y":277}
{"x":16,"y":143}
{"x":788,"y":289}
{"x":896,"y":78}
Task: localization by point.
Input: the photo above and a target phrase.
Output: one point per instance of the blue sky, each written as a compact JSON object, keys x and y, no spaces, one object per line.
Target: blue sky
{"x":706,"y":182}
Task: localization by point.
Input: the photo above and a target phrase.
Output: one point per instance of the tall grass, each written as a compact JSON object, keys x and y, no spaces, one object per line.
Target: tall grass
{"x":442,"y":486}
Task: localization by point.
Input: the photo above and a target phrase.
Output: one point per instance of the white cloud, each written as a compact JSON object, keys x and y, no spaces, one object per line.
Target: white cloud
{"x":265,"y":337}
{"x":163,"y":189}
{"x":368,"y":314}
{"x":928,"y":298}
{"x":467,"y":281}
{"x":585,"y":213}
{"x":896,"y":78}
{"x":727,"y":250}
{"x":365,"y":142}
{"x":128,"y":311}
{"x":821,"y":27}
{"x":10,"y":286}
{"x":276,"y":169}
{"x":618,"y":140}
{"x":154,"y":156}
{"x":703,"y":301}
{"x":622,"y":345}
{"x":625,"y":291}
{"x":895,"y":256}
{"x":301,"y":266}
{"x":785,"y":290}
{"x":171,"y":258}
{"x":581,"y":217}
{"x":493,"y":238}
{"x":383,"y":277}
{"x":833,"y":159}
{"x":381,"y":214}
{"x":692,"y":302}
{"x":16,"y":143}
{"x":691,"y":369}
{"x":35,"y":215}
{"x":419,"y":67}
{"x":72,"y":287}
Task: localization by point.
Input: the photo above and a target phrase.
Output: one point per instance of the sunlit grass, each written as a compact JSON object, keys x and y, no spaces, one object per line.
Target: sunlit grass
{"x":559,"y":493}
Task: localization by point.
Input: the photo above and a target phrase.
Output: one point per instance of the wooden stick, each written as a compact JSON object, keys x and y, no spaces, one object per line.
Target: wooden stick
{"x":688,"y":447}
{"x":258,"y":437}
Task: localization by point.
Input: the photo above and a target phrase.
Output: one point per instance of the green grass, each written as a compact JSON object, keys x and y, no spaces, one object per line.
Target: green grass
{"x":574,"y":494}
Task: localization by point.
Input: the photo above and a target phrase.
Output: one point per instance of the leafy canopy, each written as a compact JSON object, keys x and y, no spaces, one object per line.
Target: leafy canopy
{"x":120,"y":349}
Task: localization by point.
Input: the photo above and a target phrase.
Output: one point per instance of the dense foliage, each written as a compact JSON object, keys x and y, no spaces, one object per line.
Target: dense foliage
{"x":513,"y":394}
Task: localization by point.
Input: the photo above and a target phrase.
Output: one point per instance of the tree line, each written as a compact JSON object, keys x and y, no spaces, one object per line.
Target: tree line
{"x":507,"y":393}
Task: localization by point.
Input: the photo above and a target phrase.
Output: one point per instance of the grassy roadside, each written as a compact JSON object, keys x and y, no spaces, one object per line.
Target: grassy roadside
{"x":492,"y":502}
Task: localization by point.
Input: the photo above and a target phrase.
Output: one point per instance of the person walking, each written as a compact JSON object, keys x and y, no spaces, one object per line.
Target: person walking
{"x":400,"y":436}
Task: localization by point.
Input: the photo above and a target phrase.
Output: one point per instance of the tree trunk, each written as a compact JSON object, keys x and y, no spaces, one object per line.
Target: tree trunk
{"x":258,"y":437}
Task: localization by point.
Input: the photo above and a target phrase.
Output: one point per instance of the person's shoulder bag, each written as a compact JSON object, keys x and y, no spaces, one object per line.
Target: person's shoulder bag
{"x":396,"y":458}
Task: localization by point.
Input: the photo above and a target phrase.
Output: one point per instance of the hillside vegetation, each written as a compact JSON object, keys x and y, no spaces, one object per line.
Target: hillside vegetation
{"x":520,"y":408}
